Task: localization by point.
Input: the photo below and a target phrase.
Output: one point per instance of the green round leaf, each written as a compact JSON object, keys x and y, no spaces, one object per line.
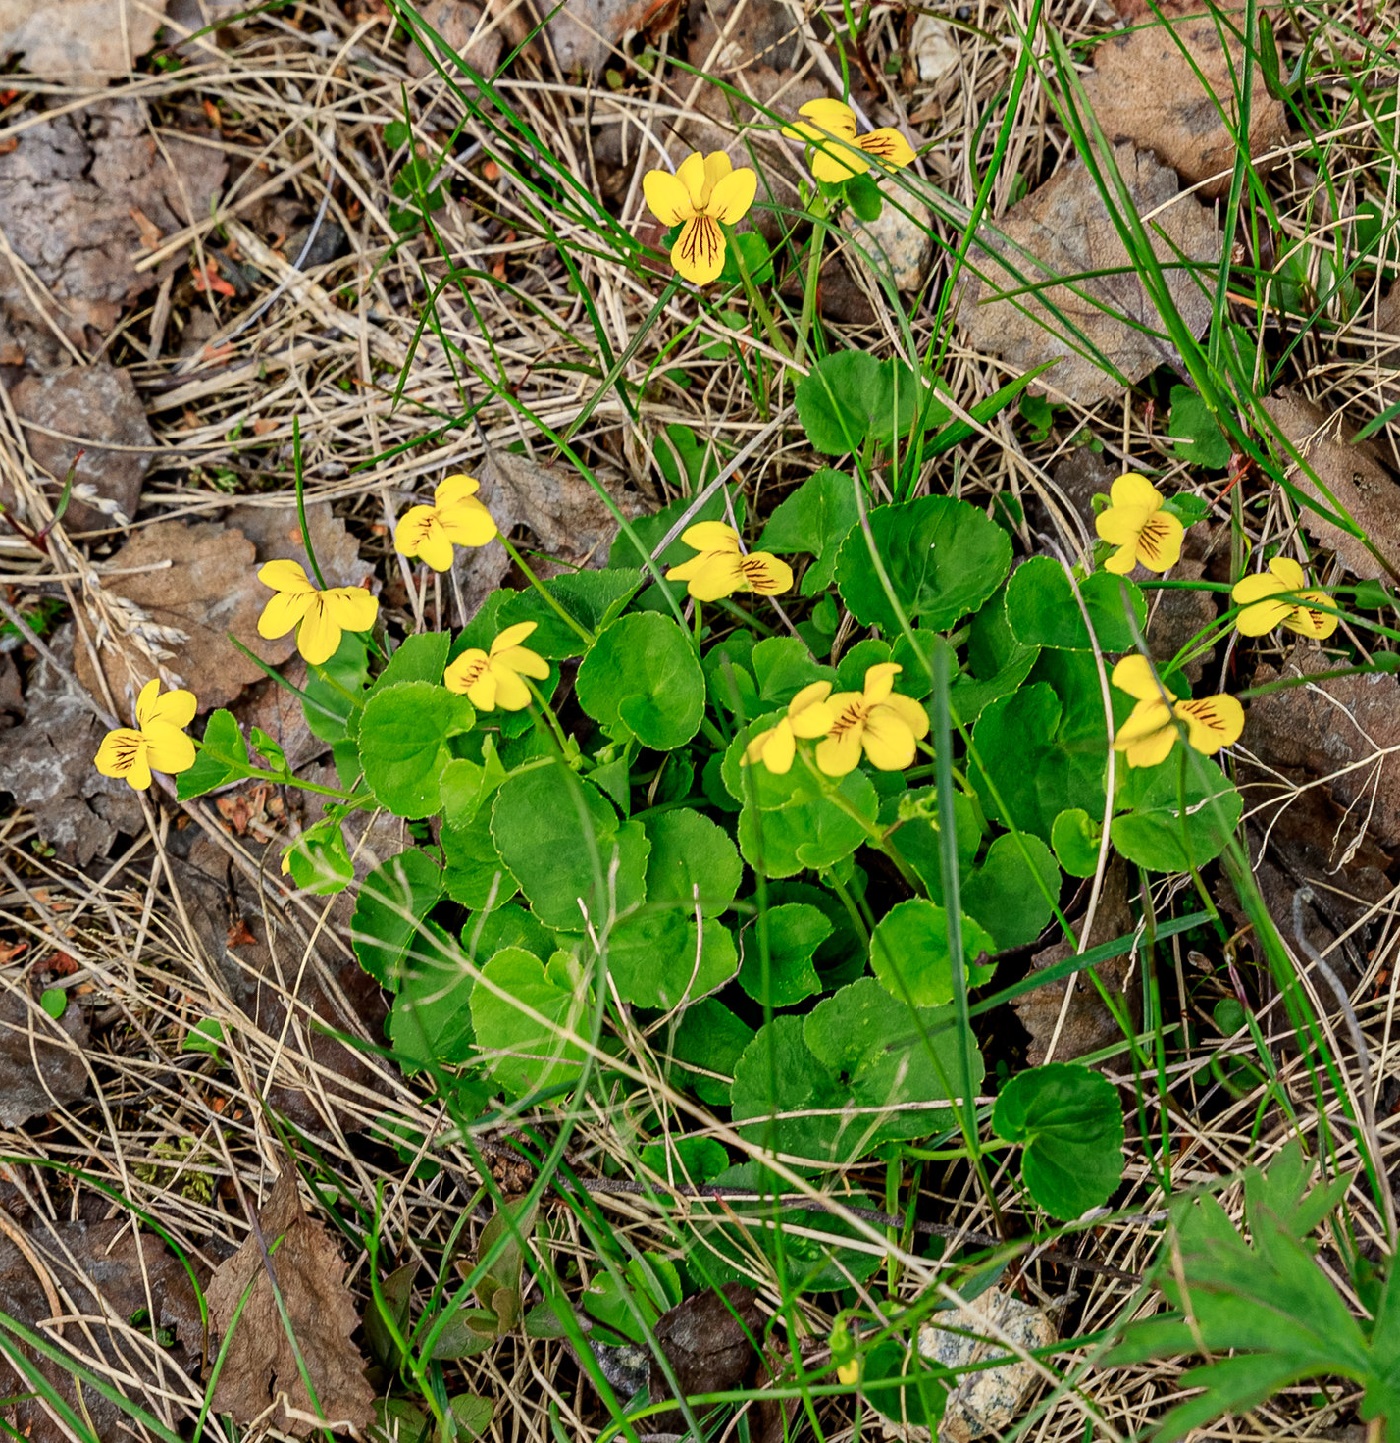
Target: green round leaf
{"x":690,"y":855}
{"x":523,"y":1054}
{"x":654,"y":961}
{"x":642,"y":678}
{"x":389,"y":911}
{"x":909,"y":953}
{"x":793,"y":931}
{"x":1075,"y":837}
{"x":318,"y":860}
{"x":487,"y":933}
{"x":1042,"y":610}
{"x":705,"y":1048}
{"x":430,"y":1023}
{"x":860,"y":1069}
{"x":1155,"y":833}
{"x":54,"y":1001}
{"x":849,"y":395}
{"x":559,"y":837}
{"x":1070,"y":1127}
{"x":900,"y":1384}
{"x":592,"y":598}
{"x":943,"y":557}
{"x":816,"y":518}
{"x":403,"y":743}
{"x":1027,"y":774}
{"x":474,"y":873}
{"x":1013,"y":892}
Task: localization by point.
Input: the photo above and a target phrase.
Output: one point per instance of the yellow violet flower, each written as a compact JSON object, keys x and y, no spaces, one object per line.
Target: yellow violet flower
{"x":456,"y":517}
{"x":1150,"y":731}
{"x":809,"y":714}
{"x":321,"y":615}
{"x":705,"y":192}
{"x":492,"y":679}
{"x":722,"y":568}
{"x":158,"y":742}
{"x":877,"y":721}
{"x":1136,"y":524}
{"x":832,"y":133}
{"x":1265,"y":609}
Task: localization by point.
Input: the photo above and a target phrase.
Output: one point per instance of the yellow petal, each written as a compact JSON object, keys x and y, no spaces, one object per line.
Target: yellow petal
{"x":464,"y":671}
{"x":286,"y":576}
{"x":1288,"y":572}
{"x":888,"y":146}
{"x":435,"y":550}
{"x":1308,"y":621}
{"x":1159,"y":542}
{"x":879,"y":680}
{"x":711,"y":575}
{"x":174,"y":709}
{"x":667,"y":199}
{"x":698,"y":253}
{"x":1149,"y":750}
{"x":732,"y":196}
{"x":121,"y":752}
{"x":1121,"y":525}
{"x":482,"y":692}
{"x":839,"y":754}
{"x":1133,"y":490}
{"x":454,"y":489}
{"x":414,"y":527}
{"x":1255,"y":587}
{"x":351,"y":607}
{"x":888,"y":742}
{"x":511,"y":693}
{"x":513,"y":636}
{"x":466,"y":522}
{"x":834,"y":117}
{"x":765,"y":573}
{"x":283,"y":612}
{"x":912,"y":714}
{"x":711,"y":536}
{"x":779,"y":748}
{"x":754,"y":751}
{"x":833,"y":162}
{"x":168,"y":749}
{"x":1262,"y":617}
{"x":1134,"y":675}
{"x":522,"y":661}
{"x":1212,"y":722}
{"x":691,"y":174}
{"x":319,"y":636}
{"x":810,"y":713}
{"x":717,"y":166}
{"x":1123,"y":560}
{"x":146,"y":700}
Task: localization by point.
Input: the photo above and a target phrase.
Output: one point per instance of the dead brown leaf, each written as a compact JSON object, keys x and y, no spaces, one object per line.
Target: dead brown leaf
{"x":1346,"y":729}
{"x":332,"y":989}
{"x":276,"y":533}
{"x":477,"y":38}
{"x":564,"y":513}
{"x":1353,"y":472}
{"x":1163,"y":86}
{"x":275,"y":710}
{"x":67,"y":192}
{"x":112,"y":1274}
{"x":83,"y":42}
{"x":94,"y":403}
{"x":209,"y":589}
{"x":260,"y":1367}
{"x":41,"y":1065}
{"x":1088,"y":1024}
{"x":46,"y":764}
{"x":711,"y":1342}
{"x":1063,"y":230}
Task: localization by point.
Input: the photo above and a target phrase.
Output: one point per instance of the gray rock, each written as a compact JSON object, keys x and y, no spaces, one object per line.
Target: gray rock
{"x":899,"y":240}
{"x":96,"y":403}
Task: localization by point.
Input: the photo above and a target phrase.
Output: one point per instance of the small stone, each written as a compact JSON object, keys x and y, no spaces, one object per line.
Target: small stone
{"x":988,"y":1400}
{"x":933,"y":47}
{"x":476,"y":40}
{"x":899,"y":240}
